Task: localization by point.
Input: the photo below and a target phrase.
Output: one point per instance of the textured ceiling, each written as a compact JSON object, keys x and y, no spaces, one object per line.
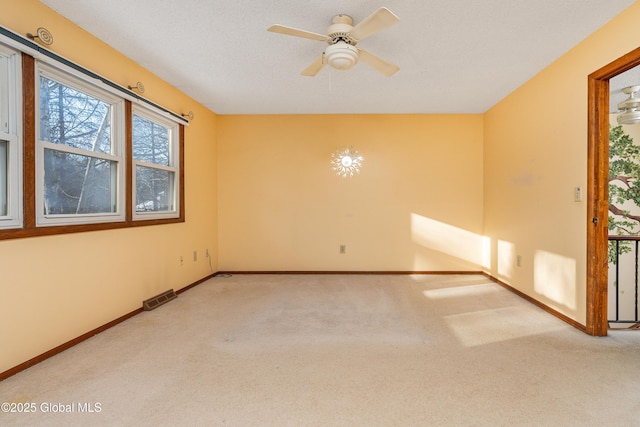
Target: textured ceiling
{"x":455,"y":56}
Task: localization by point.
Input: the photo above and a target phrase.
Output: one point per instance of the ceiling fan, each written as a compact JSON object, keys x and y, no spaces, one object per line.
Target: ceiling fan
{"x":342,"y":37}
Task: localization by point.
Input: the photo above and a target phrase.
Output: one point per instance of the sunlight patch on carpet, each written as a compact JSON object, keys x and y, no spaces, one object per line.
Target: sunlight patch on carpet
{"x":502,"y":324}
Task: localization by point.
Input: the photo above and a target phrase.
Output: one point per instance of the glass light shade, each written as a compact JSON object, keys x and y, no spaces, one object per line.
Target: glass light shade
{"x":341,"y":55}
{"x":629,"y":118}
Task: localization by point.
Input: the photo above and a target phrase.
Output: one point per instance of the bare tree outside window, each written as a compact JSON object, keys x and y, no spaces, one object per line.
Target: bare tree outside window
{"x":155,"y":179}
{"x":99,"y":160}
{"x":76,"y":182}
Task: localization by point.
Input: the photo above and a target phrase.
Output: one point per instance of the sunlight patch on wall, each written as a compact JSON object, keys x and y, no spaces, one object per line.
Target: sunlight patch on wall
{"x":506,"y":258}
{"x":447,"y":239}
{"x":554,"y":276}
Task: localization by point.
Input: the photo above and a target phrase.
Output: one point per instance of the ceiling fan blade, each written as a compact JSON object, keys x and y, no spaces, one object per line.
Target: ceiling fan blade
{"x":377,"y":21}
{"x":315,"y":67}
{"x":385,"y":67}
{"x":289,"y":31}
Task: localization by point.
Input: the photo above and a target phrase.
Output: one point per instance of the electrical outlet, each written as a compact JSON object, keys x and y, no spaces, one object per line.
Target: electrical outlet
{"x":577,"y":194}
{"x":195,"y":256}
{"x":343,"y":249}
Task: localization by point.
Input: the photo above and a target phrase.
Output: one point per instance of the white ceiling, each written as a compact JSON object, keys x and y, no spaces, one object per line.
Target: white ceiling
{"x":455,"y":56}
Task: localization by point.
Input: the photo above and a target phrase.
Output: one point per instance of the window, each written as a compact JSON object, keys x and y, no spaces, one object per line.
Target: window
{"x":80,"y":152}
{"x":10,"y":139}
{"x":155,"y":165}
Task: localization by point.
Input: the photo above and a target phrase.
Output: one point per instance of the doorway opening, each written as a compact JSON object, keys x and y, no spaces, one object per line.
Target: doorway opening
{"x":598,"y":190}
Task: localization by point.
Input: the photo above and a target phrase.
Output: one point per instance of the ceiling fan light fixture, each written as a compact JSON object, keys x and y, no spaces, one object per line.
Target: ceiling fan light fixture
{"x":630,"y":107}
{"x":630,"y":117}
{"x":341,"y":56}
{"x":342,"y":37}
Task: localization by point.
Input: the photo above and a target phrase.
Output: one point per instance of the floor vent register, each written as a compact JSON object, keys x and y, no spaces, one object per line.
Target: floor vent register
{"x":158,"y":300}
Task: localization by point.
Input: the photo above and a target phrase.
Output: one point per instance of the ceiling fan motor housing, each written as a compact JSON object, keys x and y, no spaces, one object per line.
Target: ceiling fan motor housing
{"x":340,"y":30}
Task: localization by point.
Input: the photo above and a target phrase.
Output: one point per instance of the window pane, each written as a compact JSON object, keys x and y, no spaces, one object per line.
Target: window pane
{"x":3,"y":178}
{"x":150,"y":142}
{"x":76,"y":184}
{"x":154,"y":190}
{"x":73,"y":118}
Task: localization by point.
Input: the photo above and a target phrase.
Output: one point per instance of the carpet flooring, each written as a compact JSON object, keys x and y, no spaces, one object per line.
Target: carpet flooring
{"x":336,"y":350}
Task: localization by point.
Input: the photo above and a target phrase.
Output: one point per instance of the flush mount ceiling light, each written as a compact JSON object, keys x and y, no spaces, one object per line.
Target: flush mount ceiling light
{"x":346,"y":162}
{"x":630,"y":107}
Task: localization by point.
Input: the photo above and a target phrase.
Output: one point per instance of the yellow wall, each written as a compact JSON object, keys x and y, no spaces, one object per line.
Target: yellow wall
{"x":535,"y":151}
{"x":416,"y":205}
{"x":54,"y":289}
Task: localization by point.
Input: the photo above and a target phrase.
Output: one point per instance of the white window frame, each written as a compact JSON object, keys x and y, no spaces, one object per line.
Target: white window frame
{"x":174,"y":164}
{"x":117,"y":155}
{"x":11,"y":133}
